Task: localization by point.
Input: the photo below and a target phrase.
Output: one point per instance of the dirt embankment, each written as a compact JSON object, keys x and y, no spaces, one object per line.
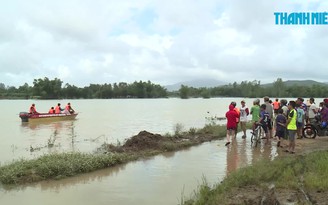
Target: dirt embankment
{"x":146,"y":141}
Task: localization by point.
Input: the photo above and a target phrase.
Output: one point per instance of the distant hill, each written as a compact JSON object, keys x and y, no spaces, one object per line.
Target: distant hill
{"x":208,"y":83}
{"x":308,"y":83}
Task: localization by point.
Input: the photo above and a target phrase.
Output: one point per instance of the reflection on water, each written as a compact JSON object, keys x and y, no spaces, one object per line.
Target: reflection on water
{"x":232,"y":156}
{"x":162,"y":179}
{"x":157,"y":180}
{"x":47,"y":124}
{"x":241,"y":153}
{"x":50,"y":137}
{"x":57,"y":185}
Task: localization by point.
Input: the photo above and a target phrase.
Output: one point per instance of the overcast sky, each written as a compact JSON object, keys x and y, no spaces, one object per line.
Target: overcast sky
{"x":107,"y":41}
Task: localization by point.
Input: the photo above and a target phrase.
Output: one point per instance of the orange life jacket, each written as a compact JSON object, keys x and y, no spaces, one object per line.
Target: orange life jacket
{"x":51,"y":111}
{"x":57,"y":109}
{"x":238,"y":112}
{"x":32,"y":110}
{"x":276,"y":105}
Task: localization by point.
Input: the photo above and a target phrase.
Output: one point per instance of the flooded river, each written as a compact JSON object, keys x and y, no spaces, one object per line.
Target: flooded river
{"x":163,"y":179}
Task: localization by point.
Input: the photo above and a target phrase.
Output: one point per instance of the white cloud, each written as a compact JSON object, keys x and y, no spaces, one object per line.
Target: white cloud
{"x":162,"y":41}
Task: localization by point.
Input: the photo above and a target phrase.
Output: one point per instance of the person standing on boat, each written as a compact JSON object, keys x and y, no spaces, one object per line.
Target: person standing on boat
{"x":58,"y":109}
{"x":69,"y":108}
{"x":52,"y":110}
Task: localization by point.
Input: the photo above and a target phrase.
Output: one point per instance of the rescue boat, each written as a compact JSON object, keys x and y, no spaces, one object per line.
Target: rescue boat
{"x":28,"y":117}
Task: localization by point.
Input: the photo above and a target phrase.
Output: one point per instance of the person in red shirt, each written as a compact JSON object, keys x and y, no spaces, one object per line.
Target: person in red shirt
{"x":234,"y":104}
{"x":231,"y":116}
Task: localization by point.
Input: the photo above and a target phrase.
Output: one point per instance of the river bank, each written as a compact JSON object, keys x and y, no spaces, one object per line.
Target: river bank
{"x":144,"y":144}
{"x":300,"y":178}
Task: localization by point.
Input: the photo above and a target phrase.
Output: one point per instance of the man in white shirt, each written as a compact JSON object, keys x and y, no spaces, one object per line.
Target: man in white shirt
{"x":313,"y":109}
{"x":244,"y":112}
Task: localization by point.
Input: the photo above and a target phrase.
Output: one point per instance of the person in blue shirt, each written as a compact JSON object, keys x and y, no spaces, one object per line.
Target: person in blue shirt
{"x":263,"y":121}
{"x":280,"y":127}
{"x":300,"y":119}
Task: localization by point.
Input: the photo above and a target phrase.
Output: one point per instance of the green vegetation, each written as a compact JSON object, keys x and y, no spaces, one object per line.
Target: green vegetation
{"x":54,"y":89}
{"x":253,"y":89}
{"x":56,"y":166}
{"x":307,"y":172}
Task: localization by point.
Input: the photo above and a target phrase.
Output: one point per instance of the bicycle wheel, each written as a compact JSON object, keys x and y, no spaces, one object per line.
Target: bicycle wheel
{"x":253,"y":137}
{"x":258,"y":135}
{"x":309,"y":132}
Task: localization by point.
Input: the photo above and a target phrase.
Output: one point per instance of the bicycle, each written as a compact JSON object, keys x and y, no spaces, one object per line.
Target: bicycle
{"x":256,"y":135}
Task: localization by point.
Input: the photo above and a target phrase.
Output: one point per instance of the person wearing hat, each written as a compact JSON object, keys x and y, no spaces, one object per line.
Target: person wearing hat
{"x":244,"y":112}
{"x":231,"y":116}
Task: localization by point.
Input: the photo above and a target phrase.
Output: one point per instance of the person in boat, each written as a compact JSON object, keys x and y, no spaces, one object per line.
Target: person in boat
{"x":33,"y":109}
{"x":58,"y":109}
{"x":69,"y":109}
{"x":52,"y":110}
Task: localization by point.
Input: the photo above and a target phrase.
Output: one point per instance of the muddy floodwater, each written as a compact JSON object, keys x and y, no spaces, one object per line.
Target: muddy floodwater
{"x":163,"y":179}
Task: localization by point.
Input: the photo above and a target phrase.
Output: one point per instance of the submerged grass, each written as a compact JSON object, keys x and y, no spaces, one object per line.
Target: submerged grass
{"x":61,"y":165}
{"x":56,"y":166}
{"x":308,"y":172}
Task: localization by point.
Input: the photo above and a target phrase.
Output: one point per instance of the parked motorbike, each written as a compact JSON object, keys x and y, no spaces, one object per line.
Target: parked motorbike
{"x":311,"y":130}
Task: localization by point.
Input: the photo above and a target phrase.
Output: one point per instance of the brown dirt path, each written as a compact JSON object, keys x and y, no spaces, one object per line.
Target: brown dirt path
{"x":304,"y":146}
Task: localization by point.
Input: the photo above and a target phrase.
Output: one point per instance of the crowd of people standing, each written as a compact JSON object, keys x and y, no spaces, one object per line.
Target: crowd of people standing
{"x":280,"y":120}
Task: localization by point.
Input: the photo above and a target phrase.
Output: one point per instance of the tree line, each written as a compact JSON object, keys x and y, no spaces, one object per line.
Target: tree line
{"x":254,"y":89}
{"x":54,"y":89}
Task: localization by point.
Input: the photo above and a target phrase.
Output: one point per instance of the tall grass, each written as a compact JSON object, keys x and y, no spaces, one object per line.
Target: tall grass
{"x":55,"y":166}
{"x":309,"y":172}
{"x":316,"y":167}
